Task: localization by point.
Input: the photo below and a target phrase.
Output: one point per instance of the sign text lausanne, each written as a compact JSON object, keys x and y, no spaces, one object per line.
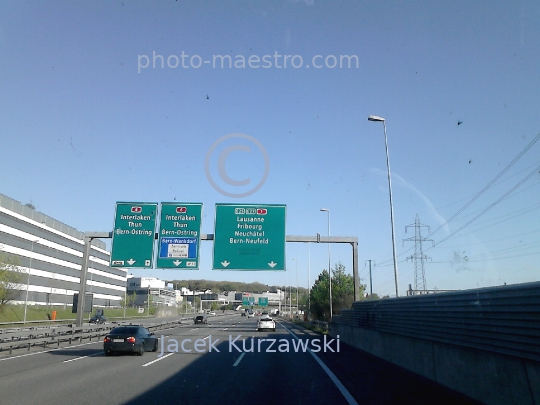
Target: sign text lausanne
{"x":249,"y":237}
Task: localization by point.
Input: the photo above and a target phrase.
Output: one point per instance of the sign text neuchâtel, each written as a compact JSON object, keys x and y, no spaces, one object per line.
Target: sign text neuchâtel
{"x":252,"y":227}
{"x":133,"y":225}
{"x":176,"y":224}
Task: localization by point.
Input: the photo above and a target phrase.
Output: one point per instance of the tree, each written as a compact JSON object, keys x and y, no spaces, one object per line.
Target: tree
{"x":131,"y":298}
{"x":11,"y":277}
{"x":128,"y":299}
{"x":342,"y":289}
{"x":319,"y":294}
{"x":342,"y":293}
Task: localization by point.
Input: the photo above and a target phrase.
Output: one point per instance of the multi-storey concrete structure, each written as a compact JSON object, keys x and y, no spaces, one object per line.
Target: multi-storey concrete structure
{"x":50,"y":255}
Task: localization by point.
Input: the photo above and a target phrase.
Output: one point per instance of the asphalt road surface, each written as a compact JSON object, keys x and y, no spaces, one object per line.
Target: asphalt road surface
{"x":226,"y":361}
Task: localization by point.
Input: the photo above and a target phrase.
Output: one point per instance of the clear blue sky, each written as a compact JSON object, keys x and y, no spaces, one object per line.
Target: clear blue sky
{"x":83,"y":124}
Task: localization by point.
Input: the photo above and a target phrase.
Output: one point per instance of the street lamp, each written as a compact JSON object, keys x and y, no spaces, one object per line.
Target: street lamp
{"x":28,"y":280}
{"x":290,"y":297}
{"x":309,"y":284}
{"x":297,"y":306}
{"x":329,"y":265}
{"x":380,"y":119}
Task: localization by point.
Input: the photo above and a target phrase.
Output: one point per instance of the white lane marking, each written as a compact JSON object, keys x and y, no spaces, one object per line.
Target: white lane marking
{"x":158,"y":359}
{"x":239,"y":359}
{"x":350,"y":399}
{"x":82,"y":357}
{"x":48,"y":351}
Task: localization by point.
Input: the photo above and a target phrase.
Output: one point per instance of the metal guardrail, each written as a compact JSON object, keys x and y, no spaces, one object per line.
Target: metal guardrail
{"x":502,"y":319}
{"x":50,"y":336}
{"x":62,"y":321}
{"x":323,"y":326}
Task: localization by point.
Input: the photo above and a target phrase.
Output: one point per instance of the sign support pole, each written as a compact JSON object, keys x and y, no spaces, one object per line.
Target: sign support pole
{"x":88,"y":236}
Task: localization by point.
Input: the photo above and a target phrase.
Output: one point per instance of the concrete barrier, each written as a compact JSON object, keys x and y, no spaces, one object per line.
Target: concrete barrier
{"x":494,"y":359}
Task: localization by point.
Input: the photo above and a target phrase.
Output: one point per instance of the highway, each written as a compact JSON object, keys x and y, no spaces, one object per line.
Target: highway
{"x":225,"y":370}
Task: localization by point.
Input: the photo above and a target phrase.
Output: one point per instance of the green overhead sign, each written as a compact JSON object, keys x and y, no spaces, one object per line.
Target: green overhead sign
{"x":249,"y":237}
{"x":133,"y":235}
{"x":179,"y":236}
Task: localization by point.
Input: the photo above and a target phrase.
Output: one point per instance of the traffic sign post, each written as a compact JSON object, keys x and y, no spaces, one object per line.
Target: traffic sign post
{"x":133,"y":235}
{"x":179,"y":236}
{"x":249,"y":237}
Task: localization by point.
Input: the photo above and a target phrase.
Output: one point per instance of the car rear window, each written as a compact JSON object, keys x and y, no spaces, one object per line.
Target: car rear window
{"x":124,"y":330}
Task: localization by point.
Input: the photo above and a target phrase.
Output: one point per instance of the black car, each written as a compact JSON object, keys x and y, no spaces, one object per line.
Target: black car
{"x":200,"y":319}
{"x":130,"y":339}
{"x":98,"y":319}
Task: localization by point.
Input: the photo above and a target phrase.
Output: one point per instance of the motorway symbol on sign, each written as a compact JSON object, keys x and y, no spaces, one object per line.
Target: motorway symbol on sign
{"x":249,"y":237}
{"x":179,"y":236}
{"x":133,"y":235}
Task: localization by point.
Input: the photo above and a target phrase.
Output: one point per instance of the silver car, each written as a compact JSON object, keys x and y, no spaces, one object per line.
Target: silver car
{"x":266,"y":323}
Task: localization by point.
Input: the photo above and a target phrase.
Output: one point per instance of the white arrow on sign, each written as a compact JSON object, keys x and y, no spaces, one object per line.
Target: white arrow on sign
{"x":131,"y":261}
{"x":225,"y":263}
{"x":272,"y":264}
{"x":177,"y":262}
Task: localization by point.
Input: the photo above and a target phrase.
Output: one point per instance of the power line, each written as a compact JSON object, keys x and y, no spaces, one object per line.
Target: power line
{"x":490,"y":183}
{"x":491,"y":206}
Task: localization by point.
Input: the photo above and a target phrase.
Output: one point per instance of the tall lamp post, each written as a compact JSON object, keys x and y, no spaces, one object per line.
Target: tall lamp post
{"x":297,"y":306}
{"x":329,"y":265}
{"x":309,"y":284}
{"x":380,"y":119}
{"x":28,"y":280}
{"x":290,"y":297}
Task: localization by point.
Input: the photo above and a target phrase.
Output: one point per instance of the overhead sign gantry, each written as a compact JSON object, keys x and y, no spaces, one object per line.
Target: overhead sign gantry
{"x":249,"y":237}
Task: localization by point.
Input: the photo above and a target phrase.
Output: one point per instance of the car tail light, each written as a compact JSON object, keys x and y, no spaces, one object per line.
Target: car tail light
{"x":130,"y":339}
{"x":107,"y":339}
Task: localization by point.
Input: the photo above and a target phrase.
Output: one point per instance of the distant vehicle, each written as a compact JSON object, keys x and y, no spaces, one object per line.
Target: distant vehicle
{"x":251,"y":314}
{"x":238,"y":308}
{"x":98,"y":319}
{"x":130,"y":339}
{"x":266,"y":323}
{"x":213,"y":313}
{"x":200,"y":319}
{"x":265,"y":315}
{"x":243,"y":313}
